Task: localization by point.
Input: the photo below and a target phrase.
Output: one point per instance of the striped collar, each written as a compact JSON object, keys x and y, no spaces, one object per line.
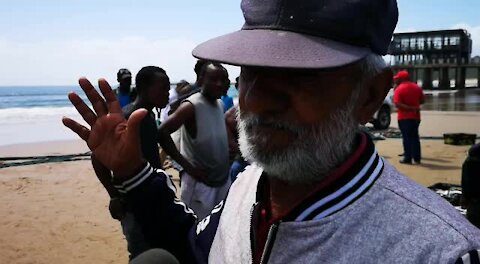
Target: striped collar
{"x":344,"y":186}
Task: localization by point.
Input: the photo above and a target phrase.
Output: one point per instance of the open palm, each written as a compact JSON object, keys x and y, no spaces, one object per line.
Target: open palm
{"x":113,"y":140}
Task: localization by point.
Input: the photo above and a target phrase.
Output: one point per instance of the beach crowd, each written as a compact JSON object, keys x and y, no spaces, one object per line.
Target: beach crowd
{"x":194,"y":124}
{"x":309,"y":185}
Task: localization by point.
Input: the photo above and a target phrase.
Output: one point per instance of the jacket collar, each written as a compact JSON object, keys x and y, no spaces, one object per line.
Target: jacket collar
{"x":341,"y":188}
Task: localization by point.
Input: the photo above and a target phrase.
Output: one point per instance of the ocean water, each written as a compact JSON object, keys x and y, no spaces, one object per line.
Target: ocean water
{"x":34,"y":113}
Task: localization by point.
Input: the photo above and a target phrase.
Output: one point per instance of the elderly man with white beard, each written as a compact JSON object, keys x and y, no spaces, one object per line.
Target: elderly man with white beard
{"x":317,"y":192}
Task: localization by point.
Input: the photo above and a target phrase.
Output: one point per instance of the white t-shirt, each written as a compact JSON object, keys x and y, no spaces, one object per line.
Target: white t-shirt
{"x":171,"y":98}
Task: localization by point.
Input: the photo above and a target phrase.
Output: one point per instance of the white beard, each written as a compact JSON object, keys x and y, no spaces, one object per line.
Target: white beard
{"x":314,"y":153}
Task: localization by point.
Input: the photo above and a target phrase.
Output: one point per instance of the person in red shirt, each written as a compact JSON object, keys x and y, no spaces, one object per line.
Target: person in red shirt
{"x":408,"y":97}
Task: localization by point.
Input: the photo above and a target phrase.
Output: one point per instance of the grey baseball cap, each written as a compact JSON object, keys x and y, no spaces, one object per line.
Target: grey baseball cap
{"x":305,"y":33}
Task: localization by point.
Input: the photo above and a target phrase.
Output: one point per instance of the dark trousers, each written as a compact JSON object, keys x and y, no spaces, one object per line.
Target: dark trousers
{"x":411,"y":139}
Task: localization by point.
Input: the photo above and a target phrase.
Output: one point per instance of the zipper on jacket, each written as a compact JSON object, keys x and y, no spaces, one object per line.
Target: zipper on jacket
{"x":252,"y":236}
{"x":272,"y":233}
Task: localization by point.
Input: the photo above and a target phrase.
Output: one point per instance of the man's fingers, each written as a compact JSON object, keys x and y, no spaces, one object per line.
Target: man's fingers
{"x":80,"y":130}
{"x":112,"y":101}
{"x":133,"y":125}
{"x":97,"y":101}
{"x":85,"y":111}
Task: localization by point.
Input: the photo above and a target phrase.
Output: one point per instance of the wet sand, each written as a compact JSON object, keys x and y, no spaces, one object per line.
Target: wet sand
{"x":452,"y":100}
{"x":44,"y":148}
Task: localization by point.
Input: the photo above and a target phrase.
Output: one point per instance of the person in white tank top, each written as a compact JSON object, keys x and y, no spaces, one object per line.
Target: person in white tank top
{"x":203,"y":142}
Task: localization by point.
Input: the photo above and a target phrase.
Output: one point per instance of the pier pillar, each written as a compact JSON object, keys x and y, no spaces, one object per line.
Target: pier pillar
{"x":460,"y":82}
{"x":444,"y":80}
{"x":478,"y":77}
{"x":427,"y":79}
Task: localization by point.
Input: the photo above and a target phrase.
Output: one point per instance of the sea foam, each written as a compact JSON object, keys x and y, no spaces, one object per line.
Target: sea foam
{"x":38,"y":124}
{"x":35,"y":114}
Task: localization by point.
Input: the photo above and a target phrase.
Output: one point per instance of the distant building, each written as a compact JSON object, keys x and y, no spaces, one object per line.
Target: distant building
{"x":436,"y":59}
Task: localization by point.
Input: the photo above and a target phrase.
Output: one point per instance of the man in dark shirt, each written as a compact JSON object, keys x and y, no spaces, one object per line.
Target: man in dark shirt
{"x":153,"y":86}
{"x":148,"y":132}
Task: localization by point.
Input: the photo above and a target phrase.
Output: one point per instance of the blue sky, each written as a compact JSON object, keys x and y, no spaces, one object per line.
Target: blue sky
{"x":55,"y":42}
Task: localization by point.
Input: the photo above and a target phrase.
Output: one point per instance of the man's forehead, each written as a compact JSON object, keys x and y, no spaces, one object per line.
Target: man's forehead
{"x":215,"y":69}
{"x":161,"y":76}
{"x":351,"y":68}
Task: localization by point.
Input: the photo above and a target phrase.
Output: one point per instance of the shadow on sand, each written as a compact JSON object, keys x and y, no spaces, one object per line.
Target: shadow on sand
{"x":437,"y":166}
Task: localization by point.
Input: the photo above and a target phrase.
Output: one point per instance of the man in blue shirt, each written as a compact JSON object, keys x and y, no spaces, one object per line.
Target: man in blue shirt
{"x":226,"y":99}
{"x":124,"y":91}
{"x":227,"y":102}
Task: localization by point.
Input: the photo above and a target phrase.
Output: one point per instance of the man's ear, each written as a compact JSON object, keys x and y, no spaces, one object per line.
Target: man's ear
{"x":373,"y":94}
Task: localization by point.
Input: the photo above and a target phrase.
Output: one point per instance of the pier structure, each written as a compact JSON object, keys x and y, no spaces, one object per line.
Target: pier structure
{"x":436,"y":59}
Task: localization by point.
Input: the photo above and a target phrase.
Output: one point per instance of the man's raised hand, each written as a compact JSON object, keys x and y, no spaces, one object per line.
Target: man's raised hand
{"x":114,"y":141}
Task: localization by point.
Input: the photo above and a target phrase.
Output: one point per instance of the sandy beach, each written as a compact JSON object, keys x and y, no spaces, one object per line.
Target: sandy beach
{"x":57,"y":212}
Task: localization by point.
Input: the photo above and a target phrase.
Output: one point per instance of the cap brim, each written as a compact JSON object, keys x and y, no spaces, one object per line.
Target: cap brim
{"x":276,"y":48}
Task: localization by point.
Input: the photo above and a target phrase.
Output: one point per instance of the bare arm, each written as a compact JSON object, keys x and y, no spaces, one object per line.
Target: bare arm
{"x":183,"y":115}
{"x":115,"y":206}
{"x":105,"y":177}
{"x":231,"y":124}
{"x":406,"y":107}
